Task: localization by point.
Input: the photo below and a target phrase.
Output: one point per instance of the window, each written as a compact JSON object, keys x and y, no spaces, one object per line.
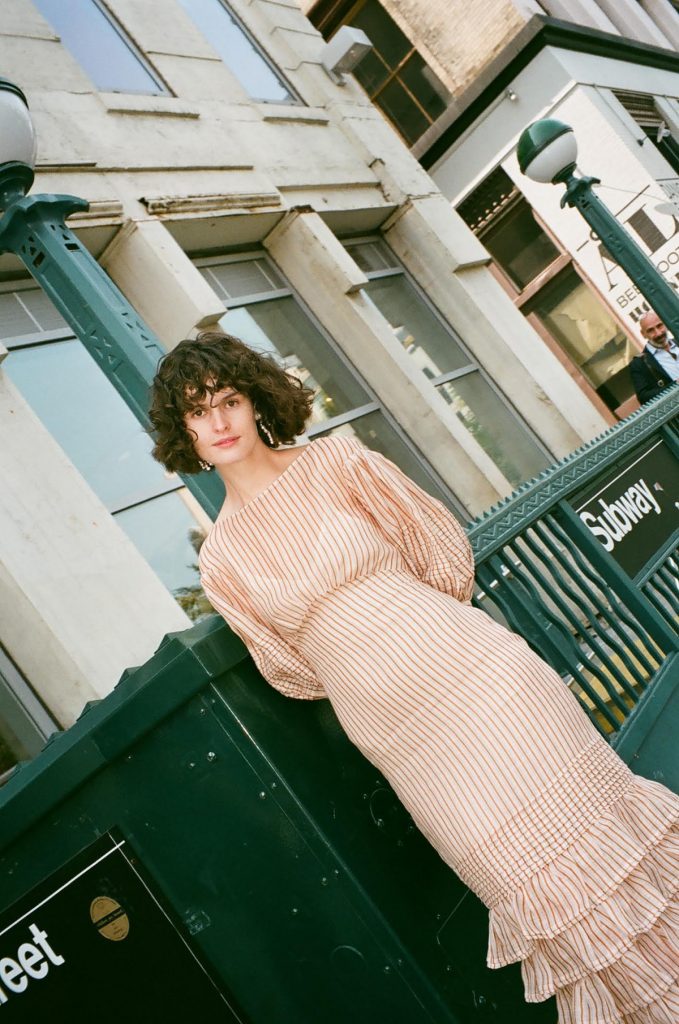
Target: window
{"x":393,"y":74}
{"x":440,"y":354}
{"x":103,"y":439}
{"x":642,"y":108}
{"x":262,"y":310}
{"x":101,"y":47}
{"x":546,"y":287}
{"x":238,"y":51}
{"x":24,"y":722}
{"x":587,"y":333}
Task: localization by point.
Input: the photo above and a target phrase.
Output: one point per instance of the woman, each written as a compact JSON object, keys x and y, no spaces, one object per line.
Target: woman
{"x":347,"y":581}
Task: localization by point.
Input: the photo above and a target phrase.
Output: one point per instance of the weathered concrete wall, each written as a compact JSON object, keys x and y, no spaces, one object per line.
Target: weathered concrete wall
{"x":202,"y":170}
{"x":78,"y":604}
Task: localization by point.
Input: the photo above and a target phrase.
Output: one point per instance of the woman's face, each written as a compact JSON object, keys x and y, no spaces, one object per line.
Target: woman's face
{"x":224,"y":427}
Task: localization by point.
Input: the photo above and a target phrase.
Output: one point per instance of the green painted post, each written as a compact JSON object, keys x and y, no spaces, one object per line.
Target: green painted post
{"x":34,"y":228}
{"x":547,"y":152}
{"x":662,"y":298}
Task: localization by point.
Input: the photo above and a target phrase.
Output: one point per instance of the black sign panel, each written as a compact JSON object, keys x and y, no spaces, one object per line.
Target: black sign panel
{"x":633,"y":511}
{"x":92,"y":943}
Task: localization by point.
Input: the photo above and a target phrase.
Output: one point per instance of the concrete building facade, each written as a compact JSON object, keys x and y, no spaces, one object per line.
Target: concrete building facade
{"x":231,"y":181}
{"x":608,"y":69}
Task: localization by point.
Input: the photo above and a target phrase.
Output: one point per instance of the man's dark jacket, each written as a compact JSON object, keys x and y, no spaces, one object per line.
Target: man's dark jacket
{"x":648,"y":377}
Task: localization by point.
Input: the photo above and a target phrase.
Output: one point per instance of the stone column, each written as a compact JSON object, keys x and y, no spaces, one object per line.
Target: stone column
{"x":78,"y":603}
{"x":330,"y":282}
{"x":439,"y":250}
{"x":158,"y":278}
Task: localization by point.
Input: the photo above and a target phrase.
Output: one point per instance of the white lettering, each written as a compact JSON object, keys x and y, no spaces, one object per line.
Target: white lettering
{"x":626,"y":503}
{"x":598,"y":531}
{"x":643,"y":486}
{"x":12,"y":975}
{"x":617,"y":529}
{"x":28,"y":956}
{"x":40,"y":939}
{"x":620,"y":516}
{"x":31,"y":964}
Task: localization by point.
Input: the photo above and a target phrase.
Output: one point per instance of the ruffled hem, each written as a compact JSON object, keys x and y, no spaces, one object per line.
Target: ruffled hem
{"x":599,"y":926}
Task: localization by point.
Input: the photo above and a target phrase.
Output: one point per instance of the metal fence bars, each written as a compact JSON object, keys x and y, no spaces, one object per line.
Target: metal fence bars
{"x":582,"y":561}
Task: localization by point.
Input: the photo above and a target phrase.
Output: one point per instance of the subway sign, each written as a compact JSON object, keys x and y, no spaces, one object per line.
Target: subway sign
{"x":633,"y":511}
{"x":91,"y":943}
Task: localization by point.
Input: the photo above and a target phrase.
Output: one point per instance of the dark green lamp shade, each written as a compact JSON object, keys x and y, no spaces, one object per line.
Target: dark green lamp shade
{"x":547,"y":151}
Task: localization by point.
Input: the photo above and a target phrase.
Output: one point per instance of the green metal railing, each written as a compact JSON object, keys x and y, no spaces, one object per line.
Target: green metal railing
{"x":610,"y":635}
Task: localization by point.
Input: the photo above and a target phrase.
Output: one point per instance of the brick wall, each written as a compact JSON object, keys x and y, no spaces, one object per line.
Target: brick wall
{"x":457,"y":39}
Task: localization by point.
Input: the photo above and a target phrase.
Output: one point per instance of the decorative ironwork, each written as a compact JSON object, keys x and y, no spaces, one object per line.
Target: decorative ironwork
{"x":535,"y":497}
{"x":34,"y":228}
{"x":542,"y":570}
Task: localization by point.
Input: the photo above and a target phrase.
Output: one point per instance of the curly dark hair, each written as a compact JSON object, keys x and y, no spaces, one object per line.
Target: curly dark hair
{"x":207,"y":364}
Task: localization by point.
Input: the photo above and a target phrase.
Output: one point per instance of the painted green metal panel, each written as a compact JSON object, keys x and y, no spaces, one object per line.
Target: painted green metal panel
{"x":295,"y":874}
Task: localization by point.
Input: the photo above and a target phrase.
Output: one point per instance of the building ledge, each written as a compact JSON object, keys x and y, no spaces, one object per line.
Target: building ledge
{"x":538,"y":33}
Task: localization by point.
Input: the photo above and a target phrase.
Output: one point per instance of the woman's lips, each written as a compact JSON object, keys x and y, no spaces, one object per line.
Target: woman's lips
{"x":226,"y":442}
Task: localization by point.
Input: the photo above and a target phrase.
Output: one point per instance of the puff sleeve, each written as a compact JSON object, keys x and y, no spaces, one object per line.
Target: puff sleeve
{"x":431,"y":540}
{"x":279,"y":662}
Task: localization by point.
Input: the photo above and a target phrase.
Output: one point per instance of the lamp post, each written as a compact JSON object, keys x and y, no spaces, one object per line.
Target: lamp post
{"x":547,"y":152}
{"x":34,"y":229}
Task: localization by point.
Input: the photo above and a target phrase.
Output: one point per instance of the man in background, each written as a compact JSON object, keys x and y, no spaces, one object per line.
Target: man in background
{"x":658,"y":365}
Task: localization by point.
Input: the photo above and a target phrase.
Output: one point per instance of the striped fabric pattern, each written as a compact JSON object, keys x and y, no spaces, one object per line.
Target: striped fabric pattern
{"x":345,"y":580}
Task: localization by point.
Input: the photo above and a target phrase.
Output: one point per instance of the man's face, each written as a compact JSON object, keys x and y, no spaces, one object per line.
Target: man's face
{"x":654,"y":330}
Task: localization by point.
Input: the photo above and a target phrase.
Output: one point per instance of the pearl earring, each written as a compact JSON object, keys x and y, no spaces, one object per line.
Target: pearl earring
{"x":265,"y":430}
{"x":207,"y":466}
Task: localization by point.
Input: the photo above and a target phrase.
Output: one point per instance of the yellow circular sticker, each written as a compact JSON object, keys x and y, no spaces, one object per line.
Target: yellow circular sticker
{"x":110,"y":919}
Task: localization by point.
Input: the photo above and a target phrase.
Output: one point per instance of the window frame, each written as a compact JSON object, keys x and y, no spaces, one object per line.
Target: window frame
{"x":341,"y":14}
{"x":523,"y":297}
{"x":120,"y":30}
{"x":17,"y":343}
{"x":37,"y":721}
{"x":464,"y":371}
{"x":351,"y":415}
{"x":294,"y":100}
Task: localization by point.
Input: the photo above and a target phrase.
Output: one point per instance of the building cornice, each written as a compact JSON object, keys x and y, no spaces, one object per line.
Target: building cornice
{"x":538,"y":33}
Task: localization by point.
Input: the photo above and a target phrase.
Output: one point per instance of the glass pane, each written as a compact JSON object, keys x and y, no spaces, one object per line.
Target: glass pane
{"x":429,"y":91}
{"x":494,"y":427}
{"x":402,"y":111}
{"x":371,"y":72}
{"x":382,"y":31}
{"x":374,"y":432}
{"x":519,"y":245}
{"x":28,"y":311}
{"x":169,"y":538}
{"x":420,"y":332}
{"x":372,"y":256}
{"x":24,"y":722}
{"x":89,"y":419}
{"x":237,"y":51}
{"x":99,"y":46}
{"x":279,"y":326}
{"x":586,"y":331}
{"x":251,"y":277}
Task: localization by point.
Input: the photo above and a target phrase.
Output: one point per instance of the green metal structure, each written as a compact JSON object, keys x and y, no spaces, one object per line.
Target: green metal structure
{"x":280,"y":858}
{"x":283,"y":859}
{"x":619,"y":245}
{"x":34,"y":228}
{"x":610,"y":631}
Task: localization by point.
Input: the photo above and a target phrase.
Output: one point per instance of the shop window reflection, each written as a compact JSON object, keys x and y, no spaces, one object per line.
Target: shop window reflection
{"x":111,"y":450}
{"x":588,"y":334}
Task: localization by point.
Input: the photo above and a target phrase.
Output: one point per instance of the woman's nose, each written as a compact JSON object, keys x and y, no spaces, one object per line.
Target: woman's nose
{"x":221,"y":418}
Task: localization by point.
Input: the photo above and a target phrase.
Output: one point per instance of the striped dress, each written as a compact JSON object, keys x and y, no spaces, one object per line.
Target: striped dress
{"x":345,"y":580}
